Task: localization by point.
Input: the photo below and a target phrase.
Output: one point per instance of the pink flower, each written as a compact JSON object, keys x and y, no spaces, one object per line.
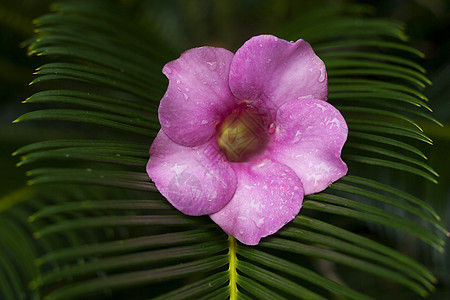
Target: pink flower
{"x":245,"y":136}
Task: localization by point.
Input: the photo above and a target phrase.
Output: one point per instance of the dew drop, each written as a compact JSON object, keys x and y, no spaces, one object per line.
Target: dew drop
{"x":186,"y":96}
{"x":271,"y":127}
{"x":212,"y":65}
{"x":204,"y":122}
{"x":322,"y":75}
{"x":260,"y":222}
{"x":268,"y":61}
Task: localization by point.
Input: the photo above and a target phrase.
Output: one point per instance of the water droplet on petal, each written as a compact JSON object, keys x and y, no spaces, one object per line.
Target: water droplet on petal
{"x":260,"y":222}
{"x":204,"y":122}
{"x":271,"y":128}
{"x":212,"y":65}
{"x":268,"y":61}
{"x":185,"y":96}
{"x":322,"y":76}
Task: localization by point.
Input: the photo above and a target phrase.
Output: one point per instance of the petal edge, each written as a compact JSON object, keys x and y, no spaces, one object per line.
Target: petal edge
{"x":267,"y":67}
{"x":268,"y":196}
{"x":309,"y":137}
{"x":198,"y":95}
{"x":196,"y":181}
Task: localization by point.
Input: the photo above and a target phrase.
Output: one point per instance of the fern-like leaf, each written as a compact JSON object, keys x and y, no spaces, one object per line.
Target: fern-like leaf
{"x":105,"y":228}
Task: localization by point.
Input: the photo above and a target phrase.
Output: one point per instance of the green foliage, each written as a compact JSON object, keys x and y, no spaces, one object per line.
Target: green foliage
{"x":94,"y":225}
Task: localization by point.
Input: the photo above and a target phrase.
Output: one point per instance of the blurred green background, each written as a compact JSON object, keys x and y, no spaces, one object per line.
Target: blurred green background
{"x":226,"y":23}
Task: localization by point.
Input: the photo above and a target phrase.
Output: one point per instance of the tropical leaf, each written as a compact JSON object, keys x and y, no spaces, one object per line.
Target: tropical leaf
{"x":95,"y":225}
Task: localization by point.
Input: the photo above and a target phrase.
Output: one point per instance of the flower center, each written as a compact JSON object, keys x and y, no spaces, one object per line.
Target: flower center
{"x":243,"y":134}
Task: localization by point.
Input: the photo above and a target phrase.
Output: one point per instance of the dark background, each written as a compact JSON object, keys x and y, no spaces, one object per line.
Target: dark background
{"x":186,"y":24}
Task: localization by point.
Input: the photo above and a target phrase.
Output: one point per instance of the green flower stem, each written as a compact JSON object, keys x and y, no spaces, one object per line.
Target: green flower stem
{"x":232,"y":267}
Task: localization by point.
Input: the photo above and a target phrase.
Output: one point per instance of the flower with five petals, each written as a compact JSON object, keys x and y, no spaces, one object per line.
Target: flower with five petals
{"x":245,"y":136}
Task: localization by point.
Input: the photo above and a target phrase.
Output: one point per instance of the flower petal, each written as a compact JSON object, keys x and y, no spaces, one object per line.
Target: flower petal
{"x":194,"y":180}
{"x":268,"y":196}
{"x":309,"y":137}
{"x":198,"y":95}
{"x":275,"y":70}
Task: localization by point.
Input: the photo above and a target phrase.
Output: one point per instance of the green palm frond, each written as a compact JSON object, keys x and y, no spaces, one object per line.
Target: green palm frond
{"x":98,"y":226}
